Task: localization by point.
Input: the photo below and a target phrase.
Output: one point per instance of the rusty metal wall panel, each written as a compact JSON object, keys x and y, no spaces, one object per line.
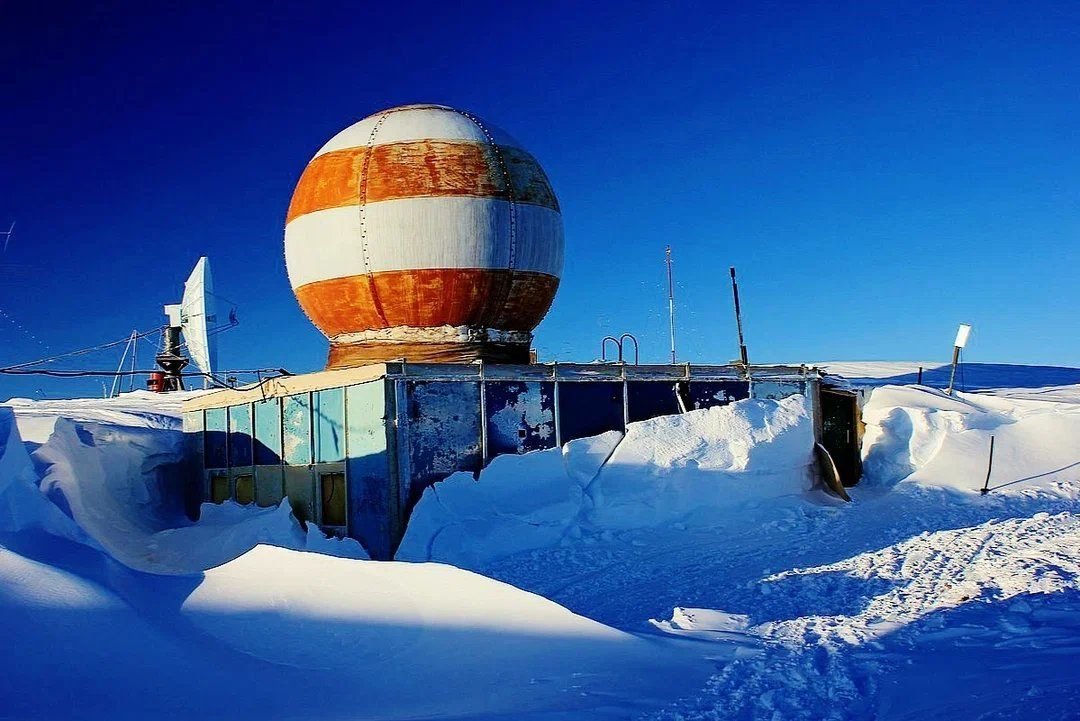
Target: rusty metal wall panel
{"x":520,"y":416}
{"x":372,"y":497}
{"x":706,"y":394}
{"x":589,"y":408}
{"x":444,"y":432}
{"x":267,"y":432}
{"x":296,"y":429}
{"x":775,"y":390}
{"x":535,"y":372}
{"x":650,"y":399}
{"x":215,"y":441}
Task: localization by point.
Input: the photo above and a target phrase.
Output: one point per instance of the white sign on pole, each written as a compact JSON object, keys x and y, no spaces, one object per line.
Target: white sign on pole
{"x":962,"y":335}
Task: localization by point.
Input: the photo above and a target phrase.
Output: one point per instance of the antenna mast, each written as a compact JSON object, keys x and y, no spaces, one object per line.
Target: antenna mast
{"x":738,"y":319}
{"x":671,"y":303}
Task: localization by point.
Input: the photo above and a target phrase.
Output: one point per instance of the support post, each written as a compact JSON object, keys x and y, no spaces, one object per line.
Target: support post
{"x":989,"y":467}
{"x":952,"y":374}
{"x":483,"y":418}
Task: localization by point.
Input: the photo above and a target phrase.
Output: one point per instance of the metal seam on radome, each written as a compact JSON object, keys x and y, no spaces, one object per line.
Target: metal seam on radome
{"x":511,"y":195}
{"x":362,"y":193}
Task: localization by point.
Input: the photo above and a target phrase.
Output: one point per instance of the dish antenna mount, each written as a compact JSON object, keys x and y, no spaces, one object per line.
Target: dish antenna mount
{"x":191,"y":319}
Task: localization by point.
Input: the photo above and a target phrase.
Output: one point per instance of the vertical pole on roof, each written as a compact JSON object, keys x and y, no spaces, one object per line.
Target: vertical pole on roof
{"x":625,"y":401}
{"x":483,"y":418}
{"x":671,"y":303}
{"x":558,"y":423}
{"x":738,"y":320}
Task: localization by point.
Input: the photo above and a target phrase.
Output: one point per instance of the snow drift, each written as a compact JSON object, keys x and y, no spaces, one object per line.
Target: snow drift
{"x":674,"y":469}
{"x":98,"y":505}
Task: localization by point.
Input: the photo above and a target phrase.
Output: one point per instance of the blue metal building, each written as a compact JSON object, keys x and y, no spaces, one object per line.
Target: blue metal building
{"x":354,"y":449}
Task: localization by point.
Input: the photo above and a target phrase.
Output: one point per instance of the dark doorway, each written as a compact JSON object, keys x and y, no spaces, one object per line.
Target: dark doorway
{"x":333,"y":499}
{"x":840,"y":432}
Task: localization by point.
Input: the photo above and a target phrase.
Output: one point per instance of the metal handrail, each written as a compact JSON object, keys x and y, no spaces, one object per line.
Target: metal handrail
{"x":603,"y":347}
{"x":631,"y":337}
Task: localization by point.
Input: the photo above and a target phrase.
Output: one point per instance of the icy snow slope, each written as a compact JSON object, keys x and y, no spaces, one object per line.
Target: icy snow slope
{"x":275,"y":633}
{"x":922,"y":599}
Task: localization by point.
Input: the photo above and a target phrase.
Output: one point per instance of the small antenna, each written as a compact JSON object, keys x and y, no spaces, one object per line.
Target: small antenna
{"x":671,"y":303}
{"x":738,"y":319}
{"x":7,"y":235}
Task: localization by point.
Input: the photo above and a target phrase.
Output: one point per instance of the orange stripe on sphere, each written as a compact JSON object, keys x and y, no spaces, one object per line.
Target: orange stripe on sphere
{"x":426,"y":168}
{"x":429,"y":297}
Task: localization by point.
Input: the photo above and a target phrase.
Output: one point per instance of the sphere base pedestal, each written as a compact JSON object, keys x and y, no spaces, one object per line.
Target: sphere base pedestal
{"x":351,"y":355}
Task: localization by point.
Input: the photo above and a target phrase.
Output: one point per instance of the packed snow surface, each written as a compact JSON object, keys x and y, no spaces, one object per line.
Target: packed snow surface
{"x":686,"y":570}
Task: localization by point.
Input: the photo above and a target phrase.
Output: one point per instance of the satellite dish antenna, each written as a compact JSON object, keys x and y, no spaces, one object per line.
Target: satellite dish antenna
{"x":197,"y":315}
{"x":191,"y":318}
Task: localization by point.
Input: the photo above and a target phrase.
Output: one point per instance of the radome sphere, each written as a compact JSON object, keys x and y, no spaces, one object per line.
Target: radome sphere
{"x":423,"y":232}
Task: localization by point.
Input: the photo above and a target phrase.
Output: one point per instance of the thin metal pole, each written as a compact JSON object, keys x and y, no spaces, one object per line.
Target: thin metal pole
{"x":134,"y":354}
{"x":119,"y":368}
{"x":671,"y":303}
{"x":738,"y":318}
{"x":919,"y":381}
{"x":989,"y":467}
{"x":483,"y":418}
{"x":952,"y":375}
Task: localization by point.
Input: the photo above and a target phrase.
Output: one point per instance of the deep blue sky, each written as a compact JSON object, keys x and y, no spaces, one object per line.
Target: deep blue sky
{"x":877,"y":171}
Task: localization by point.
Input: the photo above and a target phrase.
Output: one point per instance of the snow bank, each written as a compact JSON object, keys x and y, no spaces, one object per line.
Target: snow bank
{"x":923,"y":437}
{"x":138,"y":409}
{"x":22,"y":506}
{"x":675,"y":469}
{"x":319,"y":612}
{"x":101,"y":636}
{"x":121,"y":486}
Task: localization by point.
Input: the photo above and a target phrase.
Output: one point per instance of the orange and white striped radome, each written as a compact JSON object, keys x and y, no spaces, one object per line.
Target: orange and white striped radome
{"x":425,"y":233}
